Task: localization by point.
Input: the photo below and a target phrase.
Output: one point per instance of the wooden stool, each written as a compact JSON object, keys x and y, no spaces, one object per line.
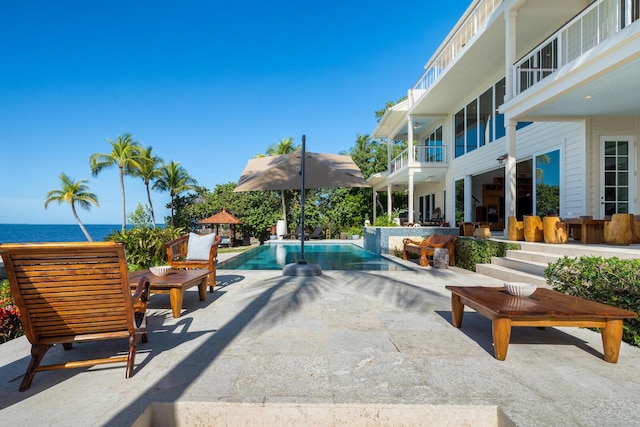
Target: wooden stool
{"x":515,"y":229}
{"x":636,"y":229}
{"x":483,"y":231}
{"x":533,"y":230}
{"x":619,"y":231}
{"x":555,"y":231}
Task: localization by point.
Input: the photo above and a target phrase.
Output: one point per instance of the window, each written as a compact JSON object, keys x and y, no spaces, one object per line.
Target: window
{"x":547,"y":167}
{"x":459,"y":201}
{"x":485,"y":118}
{"x":479,"y":123}
{"x":459,"y":133}
{"x":472,"y":125}
{"x":433,"y":151}
{"x":500,"y":129}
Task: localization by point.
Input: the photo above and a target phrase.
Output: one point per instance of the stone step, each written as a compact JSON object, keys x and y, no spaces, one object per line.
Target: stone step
{"x":523,"y":265}
{"x":533,"y":256}
{"x":509,"y":274}
{"x":528,"y":263}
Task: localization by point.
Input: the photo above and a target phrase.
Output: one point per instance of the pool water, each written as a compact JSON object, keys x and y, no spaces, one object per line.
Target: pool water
{"x":336,"y":256}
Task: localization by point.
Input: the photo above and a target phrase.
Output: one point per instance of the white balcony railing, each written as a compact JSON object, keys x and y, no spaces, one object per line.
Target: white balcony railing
{"x":592,"y":26}
{"x":422,"y":154}
{"x":474,"y":23}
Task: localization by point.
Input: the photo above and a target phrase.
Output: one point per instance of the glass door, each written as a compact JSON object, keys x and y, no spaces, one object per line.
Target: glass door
{"x":617,"y":175}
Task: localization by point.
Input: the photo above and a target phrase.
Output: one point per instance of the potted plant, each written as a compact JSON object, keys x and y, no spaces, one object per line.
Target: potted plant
{"x":355,"y":232}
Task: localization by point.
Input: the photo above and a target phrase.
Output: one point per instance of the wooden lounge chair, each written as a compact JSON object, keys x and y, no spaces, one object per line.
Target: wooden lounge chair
{"x":75,"y":292}
{"x":178,"y":256}
{"x":426,"y":247}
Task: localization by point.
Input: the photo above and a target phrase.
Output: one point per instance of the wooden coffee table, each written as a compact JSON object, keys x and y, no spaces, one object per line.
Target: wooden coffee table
{"x":174,"y":284}
{"x":544,"y":308}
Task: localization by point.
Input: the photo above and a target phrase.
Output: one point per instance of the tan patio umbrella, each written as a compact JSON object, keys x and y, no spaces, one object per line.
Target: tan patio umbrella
{"x":283,"y":172}
{"x":223,"y":217}
{"x":299,"y":171}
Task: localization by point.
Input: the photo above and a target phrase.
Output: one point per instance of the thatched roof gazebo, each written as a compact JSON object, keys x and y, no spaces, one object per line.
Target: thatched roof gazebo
{"x":223,"y":217}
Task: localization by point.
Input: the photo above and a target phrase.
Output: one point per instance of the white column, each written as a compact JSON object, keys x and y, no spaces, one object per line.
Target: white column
{"x":510,"y":53}
{"x":410,"y":141}
{"x":510,"y":170}
{"x":389,"y":205}
{"x":411,"y":217}
{"x":468,"y":200}
{"x":373,"y":203}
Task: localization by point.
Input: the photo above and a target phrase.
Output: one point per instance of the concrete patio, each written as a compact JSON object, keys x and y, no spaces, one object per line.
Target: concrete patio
{"x":344,"y":348}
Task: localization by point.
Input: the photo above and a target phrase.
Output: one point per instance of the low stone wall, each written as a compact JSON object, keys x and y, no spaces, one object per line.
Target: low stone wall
{"x":386,"y":240}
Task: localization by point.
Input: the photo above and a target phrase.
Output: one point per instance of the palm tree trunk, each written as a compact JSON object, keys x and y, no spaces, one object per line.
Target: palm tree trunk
{"x":153,"y":217}
{"x":84,"y":230}
{"x":172,"y":209}
{"x":124,"y":210}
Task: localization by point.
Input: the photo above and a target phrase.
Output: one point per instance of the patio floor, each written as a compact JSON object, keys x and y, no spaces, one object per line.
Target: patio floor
{"x":371,"y":340}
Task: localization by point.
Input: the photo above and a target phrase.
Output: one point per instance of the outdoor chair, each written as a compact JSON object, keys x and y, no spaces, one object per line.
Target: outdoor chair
{"x":195,"y":251}
{"x":75,"y":292}
{"x":619,"y":230}
{"x":317,"y":233}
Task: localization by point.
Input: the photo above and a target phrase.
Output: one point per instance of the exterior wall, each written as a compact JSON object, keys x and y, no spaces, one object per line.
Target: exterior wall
{"x":570,"y":138}
{"x":608,"y":126}
{"x":384,"y":240}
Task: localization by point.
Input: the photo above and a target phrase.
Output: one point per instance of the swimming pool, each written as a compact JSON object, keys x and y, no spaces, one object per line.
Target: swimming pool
{"x":330,"y":256}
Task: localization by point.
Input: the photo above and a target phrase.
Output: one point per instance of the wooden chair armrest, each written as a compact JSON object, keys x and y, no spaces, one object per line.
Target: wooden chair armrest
{"x":213,"y":252}
{"x":141,"y":295}
{"x":408,"y":241}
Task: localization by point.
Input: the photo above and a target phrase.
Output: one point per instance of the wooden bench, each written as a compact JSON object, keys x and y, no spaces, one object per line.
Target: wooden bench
{"x":426,"y":248}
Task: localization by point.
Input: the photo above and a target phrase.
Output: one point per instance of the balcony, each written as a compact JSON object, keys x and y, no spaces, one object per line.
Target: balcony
{"x":598,"y":22}
{"x":422,"y":154}
{"x":454,"y":45}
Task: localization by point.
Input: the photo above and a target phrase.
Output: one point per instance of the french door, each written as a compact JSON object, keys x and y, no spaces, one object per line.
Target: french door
{"x":617,"y":175}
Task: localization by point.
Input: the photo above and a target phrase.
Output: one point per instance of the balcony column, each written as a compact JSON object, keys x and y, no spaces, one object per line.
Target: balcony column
{"x":411,"y":154}
{"x":389,"y":198}
{"x":373,"y":204}
{"x":411,"y":217}
{"x":510,"y":53}
{"x":510,"y":170}
{"x":468,"y":200}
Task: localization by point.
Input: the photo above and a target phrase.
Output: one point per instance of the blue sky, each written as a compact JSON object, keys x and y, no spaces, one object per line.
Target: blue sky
{"x":208,"y":84}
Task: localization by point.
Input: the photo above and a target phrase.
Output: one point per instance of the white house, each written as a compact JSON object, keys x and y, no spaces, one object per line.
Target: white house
{"x":527,"y":107}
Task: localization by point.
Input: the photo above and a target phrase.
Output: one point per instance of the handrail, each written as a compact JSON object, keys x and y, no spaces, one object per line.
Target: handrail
{"x":452,"y":47}
{"x":597,"y":22}
{"x":422,"y":154}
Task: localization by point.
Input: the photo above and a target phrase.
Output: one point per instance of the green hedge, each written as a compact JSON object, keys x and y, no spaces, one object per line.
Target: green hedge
{"x":471,"y":251}
{"x":145,"y":246}
{"x":610,"y":281}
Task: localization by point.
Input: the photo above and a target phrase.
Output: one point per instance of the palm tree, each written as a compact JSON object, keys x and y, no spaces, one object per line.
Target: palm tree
{"x":74,"y":193}
{"x":175,"y":179}
{"x":285,"y":146}
{"x":148,"y":170}
{"x":125,"y":153}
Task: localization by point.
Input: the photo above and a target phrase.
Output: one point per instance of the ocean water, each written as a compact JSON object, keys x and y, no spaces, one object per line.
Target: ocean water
{"x":25,"y":233}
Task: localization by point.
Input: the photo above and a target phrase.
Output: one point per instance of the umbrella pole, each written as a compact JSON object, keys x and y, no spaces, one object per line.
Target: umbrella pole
{"x":302,"y":201}
{"x":302,"y":268}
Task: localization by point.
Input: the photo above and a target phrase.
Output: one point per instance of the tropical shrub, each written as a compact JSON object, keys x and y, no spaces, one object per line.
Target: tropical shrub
{"x":610,"y":281}
{"x":10,"y":324}
{"x":145,"y":246}
{"x":471,"y":251}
